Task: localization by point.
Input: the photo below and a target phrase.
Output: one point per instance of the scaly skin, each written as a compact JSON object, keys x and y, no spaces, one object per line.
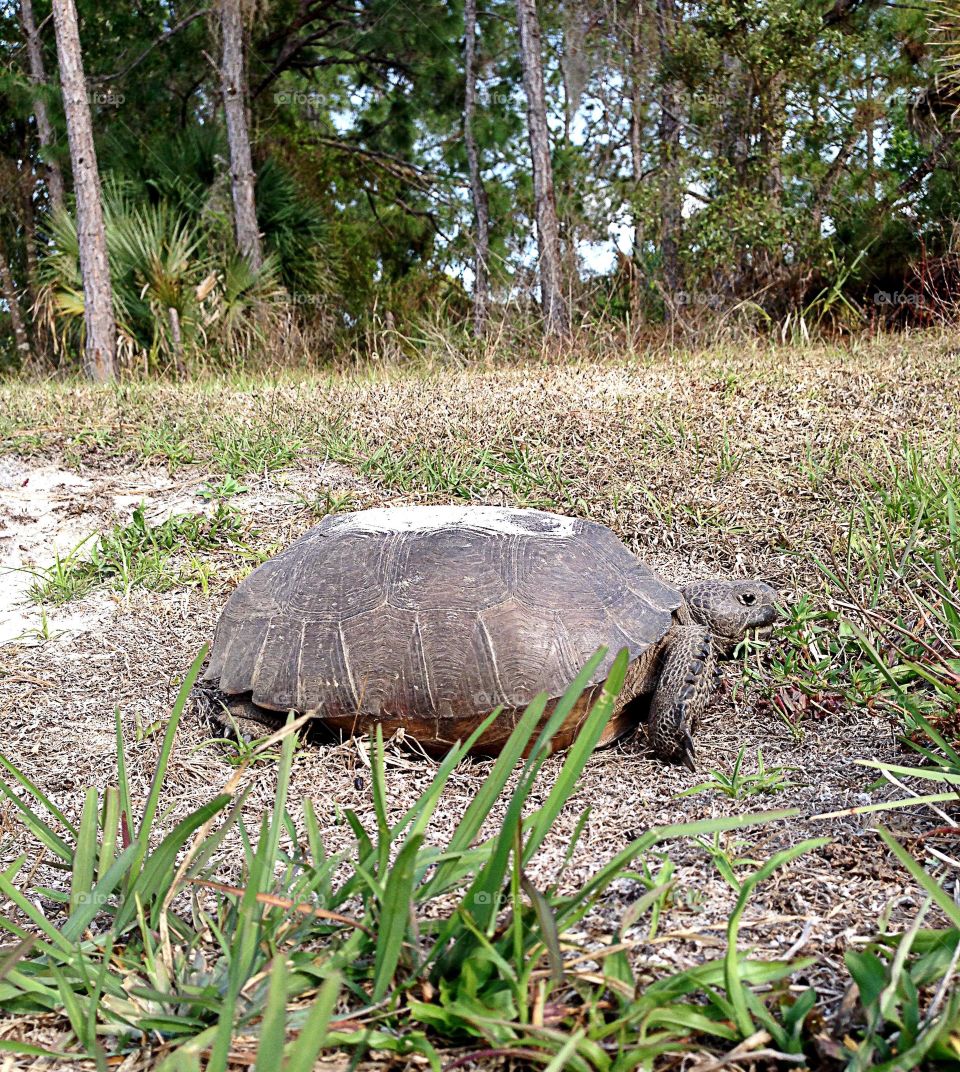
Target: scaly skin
{"x":683,"y":690}
{"x":715,"y":617}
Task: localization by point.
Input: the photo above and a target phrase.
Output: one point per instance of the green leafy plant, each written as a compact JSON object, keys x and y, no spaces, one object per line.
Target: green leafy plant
{"x":326,"y":502}
{"x":740,"y":783}
{"x":242,"y":449}
{"x":228,"y":488}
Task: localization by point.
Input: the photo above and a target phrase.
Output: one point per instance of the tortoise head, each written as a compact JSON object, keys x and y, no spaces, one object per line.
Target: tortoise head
{"x":732,"y":610}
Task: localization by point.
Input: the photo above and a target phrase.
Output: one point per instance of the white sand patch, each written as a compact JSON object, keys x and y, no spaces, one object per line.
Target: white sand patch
{"x":46,"y":511}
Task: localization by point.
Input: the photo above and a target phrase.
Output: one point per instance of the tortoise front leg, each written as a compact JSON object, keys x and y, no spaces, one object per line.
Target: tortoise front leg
{"x":683,"y":689}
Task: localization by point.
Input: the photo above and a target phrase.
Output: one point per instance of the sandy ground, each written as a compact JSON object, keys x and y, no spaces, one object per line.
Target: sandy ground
{"x":60,"y":683}
{"x":57,"y":698}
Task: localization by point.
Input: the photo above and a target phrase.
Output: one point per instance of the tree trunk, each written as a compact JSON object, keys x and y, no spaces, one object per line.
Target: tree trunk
{"x":774,"y":130}
{"x":101,"y":329}
{"x":481,"y":210}
{"x":233,"y":88}
{"x":638,"y":55}
{"x":548,"y":230}
{"x":10,"y":296}
{"x":44,"y":128}
{"x":670,"y":212}
{"x":29,"y":221}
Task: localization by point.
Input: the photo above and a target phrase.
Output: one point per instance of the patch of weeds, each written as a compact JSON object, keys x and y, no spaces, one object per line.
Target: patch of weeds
{"x":166,"y":440}
{"x":80,"y":445}
{"x":140,"y":554}
{"x":342,"y":444}
{"x":226,"y":489}
{"x":97,"y":439}
{"x":656,"y":876}
{"x":892,"y":635}
{"x":326,"y":502}
{"x":470,"y":474}
{"x":724,"y":852}
{"x":900,"y":1030}
{"x":239,"y":752}
{"x":820,"y":467}
{"x":909,"y":1003}
{"x":815,"y":663}
{"x":740,"y":783}
{"x":63,"y":580}
{"x":242,"y":449}
{"x":429,"y":470}
{"x":41,"y":633}
{"x":730,"y":455}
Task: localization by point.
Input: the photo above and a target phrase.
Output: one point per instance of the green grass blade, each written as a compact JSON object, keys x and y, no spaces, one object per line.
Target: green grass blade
{"x":41,"y":830}
{"x":395,"y":916}
{"x":577,"y":757}
{"x":612,"y":869}
{"x":158,"y":871}
{"x":38,"y":795}
{"x":36,"y":917}
{"x":110,"y":826}
{"x":888,"y":805}
{"x":24,"y":1049}
{"x":549,"y":932}
{"x":99,"y":896}
{"x":123,"y":783}
{"x":153,"y":797}
{"x":280,"y":795}
{"x":84,"y":858}
{"x":304,"y":1051}
{"x":379,"y":788}
{"x":568,"y":701}
{"x":273,"y":1027}
{"x":734,"y":981}
{"x":482,"y":802}
{"x":933,"y":774}
{"x":929,"y":884}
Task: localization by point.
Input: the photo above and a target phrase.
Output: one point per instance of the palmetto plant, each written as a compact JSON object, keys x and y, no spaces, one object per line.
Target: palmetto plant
{"x":175,"y":296}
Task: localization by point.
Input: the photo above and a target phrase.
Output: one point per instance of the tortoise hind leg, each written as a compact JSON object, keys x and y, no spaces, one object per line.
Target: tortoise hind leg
{"x":237,"y":717}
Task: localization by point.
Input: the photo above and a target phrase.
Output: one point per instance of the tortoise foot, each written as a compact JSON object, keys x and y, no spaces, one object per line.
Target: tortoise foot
{"x":236,"y":718}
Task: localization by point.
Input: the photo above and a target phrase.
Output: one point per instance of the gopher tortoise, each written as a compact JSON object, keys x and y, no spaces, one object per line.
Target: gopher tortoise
{"x":426,"y":618}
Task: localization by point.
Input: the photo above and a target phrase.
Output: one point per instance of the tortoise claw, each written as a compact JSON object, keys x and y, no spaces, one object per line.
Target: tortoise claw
{"x":689,"y":755}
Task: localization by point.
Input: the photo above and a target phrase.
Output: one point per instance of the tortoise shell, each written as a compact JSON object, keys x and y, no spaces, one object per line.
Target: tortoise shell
{"x":427,"y":618}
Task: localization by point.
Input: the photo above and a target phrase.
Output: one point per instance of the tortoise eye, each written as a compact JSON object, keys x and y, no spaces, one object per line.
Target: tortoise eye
{"x":748,"y":599}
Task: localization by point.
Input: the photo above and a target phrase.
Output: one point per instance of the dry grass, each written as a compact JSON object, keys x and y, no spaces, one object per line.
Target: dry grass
{"x":734,"y":462}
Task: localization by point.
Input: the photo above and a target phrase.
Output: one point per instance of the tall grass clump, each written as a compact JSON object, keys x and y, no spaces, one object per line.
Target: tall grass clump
{"x":182,"y":294}
{"x":887,"y":630}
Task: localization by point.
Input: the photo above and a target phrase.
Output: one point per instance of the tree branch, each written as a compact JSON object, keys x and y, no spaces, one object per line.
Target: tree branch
{"x":165,"y":36}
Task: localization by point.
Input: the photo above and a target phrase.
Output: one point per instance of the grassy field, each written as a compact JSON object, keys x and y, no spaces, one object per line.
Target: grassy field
{"x":174,"y":902}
